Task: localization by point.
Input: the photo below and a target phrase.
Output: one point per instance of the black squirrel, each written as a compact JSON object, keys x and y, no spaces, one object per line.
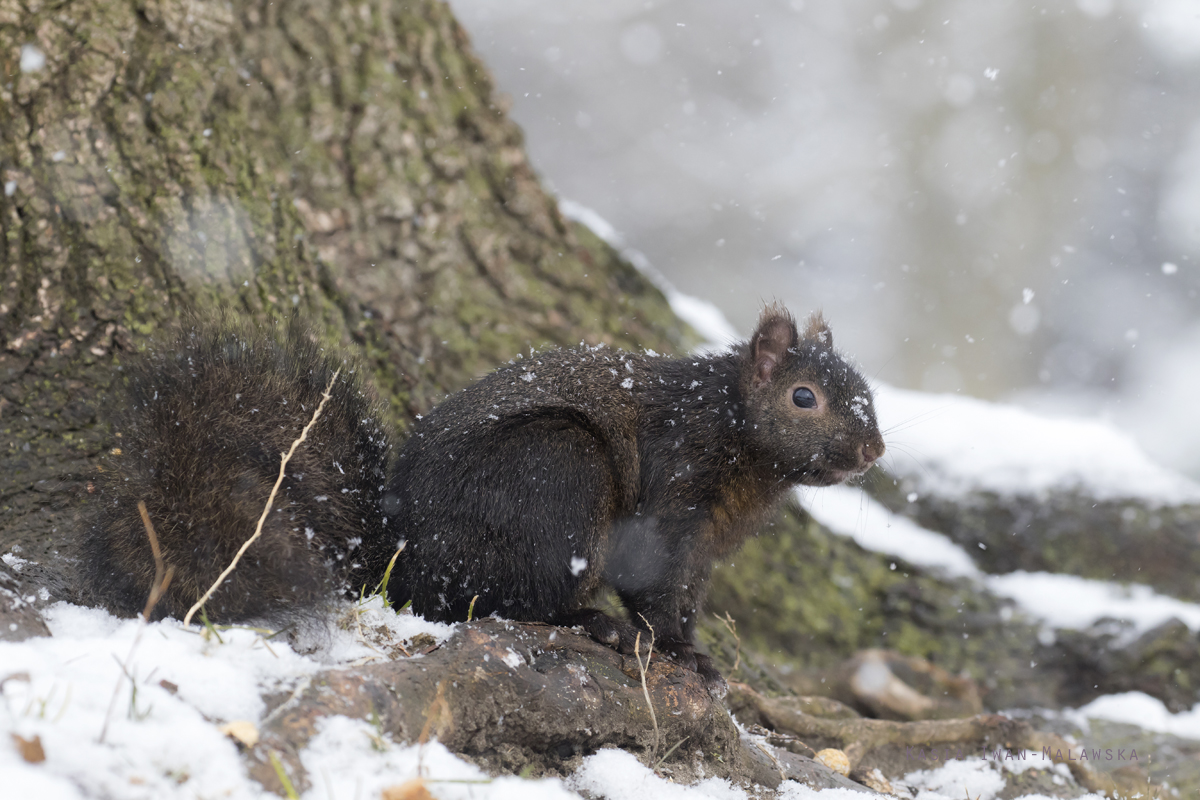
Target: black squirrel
{"x":522,"y":495}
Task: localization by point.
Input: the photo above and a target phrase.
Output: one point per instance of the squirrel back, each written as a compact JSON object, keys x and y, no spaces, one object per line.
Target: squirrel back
{"x":207,"y":416}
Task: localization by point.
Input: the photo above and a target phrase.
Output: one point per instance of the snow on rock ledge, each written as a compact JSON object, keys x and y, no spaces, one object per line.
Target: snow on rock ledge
{"x":1020,"y":491}
{"x":951,"y":445}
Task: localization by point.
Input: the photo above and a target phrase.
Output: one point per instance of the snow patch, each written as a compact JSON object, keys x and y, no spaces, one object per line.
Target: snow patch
{"x":32,"y":58}
{"x":1142,"y":710}
{"x":977,"y":778}
{"x":952,"y":445}
{"x":851,"y":512}
{"x":14,"y":561}
{"x":350,"y":758}
{"x":618,"y":775}
{"x":165,"y":742}
{"x":1069,"y":601}
{"x":1062,"y":601}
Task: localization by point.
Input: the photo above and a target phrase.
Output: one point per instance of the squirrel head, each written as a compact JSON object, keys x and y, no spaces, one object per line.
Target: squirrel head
{"x":809,"y":413}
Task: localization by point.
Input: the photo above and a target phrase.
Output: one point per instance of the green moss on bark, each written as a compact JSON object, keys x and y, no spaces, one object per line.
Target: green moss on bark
{"x":348,"y":161}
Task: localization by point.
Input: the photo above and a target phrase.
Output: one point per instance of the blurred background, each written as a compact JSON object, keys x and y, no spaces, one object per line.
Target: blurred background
{"x":995,"y":198}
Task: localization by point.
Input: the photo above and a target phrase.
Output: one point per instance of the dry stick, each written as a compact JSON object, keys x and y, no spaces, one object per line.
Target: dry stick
{"x":162,"y":579}
{"x":637,"y":654}
{"x":162,"y":573}
{"x":284,"y":459}
{"x":731,"y":626}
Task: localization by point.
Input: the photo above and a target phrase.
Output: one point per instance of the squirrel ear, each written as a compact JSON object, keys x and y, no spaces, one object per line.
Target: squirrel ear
{"x":817,"y":330}
{"x":775,"y":334}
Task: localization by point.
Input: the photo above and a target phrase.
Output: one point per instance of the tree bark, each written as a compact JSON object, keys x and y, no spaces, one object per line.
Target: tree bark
{"x":349,"y":161}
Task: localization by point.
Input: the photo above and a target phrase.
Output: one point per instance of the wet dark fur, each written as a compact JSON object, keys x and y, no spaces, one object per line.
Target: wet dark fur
{"x":570,"y":470}
{"x":530,"y":490}
{"x":208,"y":415}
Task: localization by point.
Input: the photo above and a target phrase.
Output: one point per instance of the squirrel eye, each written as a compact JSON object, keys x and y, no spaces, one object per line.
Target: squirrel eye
{"x":804,"y":398}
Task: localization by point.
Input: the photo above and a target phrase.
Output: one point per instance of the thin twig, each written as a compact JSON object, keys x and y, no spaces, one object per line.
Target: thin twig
{"x":667,"y":754}
{"x":162,"y":573}
{"x":637,"y":654}
{"x":162,"y":579}
{"x":731,"y":626}
{"x":284,"y":459}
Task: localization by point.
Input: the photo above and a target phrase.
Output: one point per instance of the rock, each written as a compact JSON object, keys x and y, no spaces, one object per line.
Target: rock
{"x":19,"y":616}
{"x":774,"y":766}
{"x":805,"y":600}
{"x":889,"y":685}
{"x":516,"y":697}
{"x":873,"y":779}
{"x":1067,"y":531}
{"x":834,"y":759}
{"x":1162,"y":662}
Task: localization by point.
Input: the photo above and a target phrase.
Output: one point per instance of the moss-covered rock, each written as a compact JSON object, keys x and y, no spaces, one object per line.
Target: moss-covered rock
{"x":804,"y":600}
{"x":1129,"y":540}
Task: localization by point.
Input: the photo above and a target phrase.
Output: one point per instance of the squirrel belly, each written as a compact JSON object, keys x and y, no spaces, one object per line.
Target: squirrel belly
{"x":521,"y":495}
{"x":207,"y":416}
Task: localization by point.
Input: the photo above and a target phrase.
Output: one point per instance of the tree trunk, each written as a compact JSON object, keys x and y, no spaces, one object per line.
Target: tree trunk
{"x":349,"y":161}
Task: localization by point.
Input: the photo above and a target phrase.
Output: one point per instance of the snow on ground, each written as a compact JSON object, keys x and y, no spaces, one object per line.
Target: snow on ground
{"x":1142,"y":710}
{"x":977,"y":778}
{"x":617,"y":774}
{"x":348,"y":759}
{"x":950,"y":444}
{"x":164,"y":742}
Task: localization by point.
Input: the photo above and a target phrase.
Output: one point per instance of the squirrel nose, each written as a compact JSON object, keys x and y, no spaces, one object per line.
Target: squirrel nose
{"x":871,"y":451}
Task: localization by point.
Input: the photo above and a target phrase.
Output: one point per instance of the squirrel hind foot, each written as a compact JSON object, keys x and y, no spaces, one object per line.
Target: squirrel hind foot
{"x":608,"y":630}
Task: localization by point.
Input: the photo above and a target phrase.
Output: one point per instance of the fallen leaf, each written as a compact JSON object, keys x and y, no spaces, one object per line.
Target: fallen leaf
{"x":30,"y":749}
{"x":241,"y":731}
{"x":409,"y":790}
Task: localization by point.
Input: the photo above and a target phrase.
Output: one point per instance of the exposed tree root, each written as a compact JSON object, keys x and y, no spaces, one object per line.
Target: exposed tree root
{"x":859,"y":736}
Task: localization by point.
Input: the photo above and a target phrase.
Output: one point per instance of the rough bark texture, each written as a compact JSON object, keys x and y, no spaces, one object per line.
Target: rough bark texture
{"x":347,"y":160}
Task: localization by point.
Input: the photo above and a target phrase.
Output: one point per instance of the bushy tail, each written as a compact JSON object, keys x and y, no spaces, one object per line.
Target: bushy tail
{"x":208,"y":415}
